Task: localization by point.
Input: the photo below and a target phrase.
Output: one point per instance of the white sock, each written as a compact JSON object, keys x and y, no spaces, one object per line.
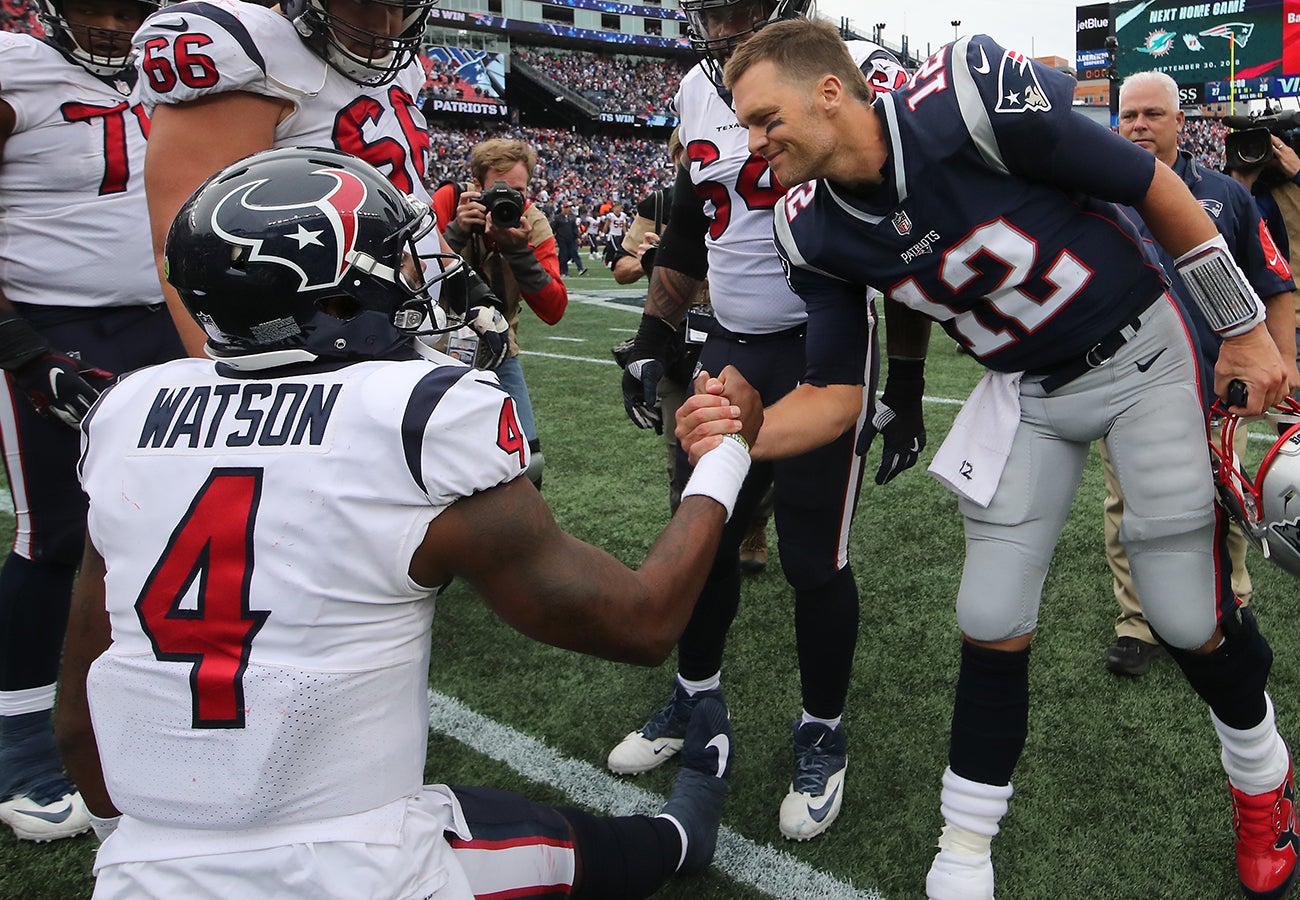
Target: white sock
{"x":829,"y":723}
{"x":1255,"y":759}
{"x":712,"y":683}
{"x":971,"y":813}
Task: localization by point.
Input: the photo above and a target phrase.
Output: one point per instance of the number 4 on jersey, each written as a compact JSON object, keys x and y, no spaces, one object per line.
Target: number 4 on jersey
{"x":213,"y":545}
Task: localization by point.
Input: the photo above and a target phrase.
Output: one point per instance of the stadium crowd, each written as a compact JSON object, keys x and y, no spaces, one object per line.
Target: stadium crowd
{"x":587,"y":170}
{"x":614,"y":83}
{"x":1203,"y":138}
{"x":758,"y":328}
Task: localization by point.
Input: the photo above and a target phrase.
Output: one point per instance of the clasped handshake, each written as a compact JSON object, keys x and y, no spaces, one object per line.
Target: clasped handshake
{"x":721,"y":405}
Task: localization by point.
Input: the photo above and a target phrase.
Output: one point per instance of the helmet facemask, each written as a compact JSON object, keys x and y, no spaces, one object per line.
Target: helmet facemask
{"x":717,"y":27}
{"x":360,"y":54}
{"x":105,"y":52}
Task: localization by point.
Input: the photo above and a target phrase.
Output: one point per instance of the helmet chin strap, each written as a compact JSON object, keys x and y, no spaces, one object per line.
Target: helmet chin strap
{"x":354,"y":65}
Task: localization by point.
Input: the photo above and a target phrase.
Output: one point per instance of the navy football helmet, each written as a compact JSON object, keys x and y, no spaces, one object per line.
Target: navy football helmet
{"x":105,"y":52}
{"x":360,"y":53}
{"x":717,"y":27}
{"x":1267,"y":506}
{"x":296,"y":254}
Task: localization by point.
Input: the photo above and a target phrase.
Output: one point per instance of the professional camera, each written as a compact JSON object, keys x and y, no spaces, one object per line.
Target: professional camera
{"x":504,"y":203}
{"x":1250,"y":144}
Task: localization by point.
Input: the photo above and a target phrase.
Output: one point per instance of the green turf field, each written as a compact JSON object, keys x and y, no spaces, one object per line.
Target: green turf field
{"x":1119,"y":793}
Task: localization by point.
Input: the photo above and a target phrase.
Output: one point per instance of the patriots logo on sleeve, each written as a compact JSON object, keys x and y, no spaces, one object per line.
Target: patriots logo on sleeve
{"x":1018,"y":87}
{"x":1213,"y":207}
{"x":339,"y":204}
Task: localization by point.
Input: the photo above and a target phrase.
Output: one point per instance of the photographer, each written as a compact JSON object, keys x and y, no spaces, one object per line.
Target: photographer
{"x":509,"y":242}
{"x":1259,"y":154}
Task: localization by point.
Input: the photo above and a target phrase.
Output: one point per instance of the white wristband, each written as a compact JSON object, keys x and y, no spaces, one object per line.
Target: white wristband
{"x":720,"y":473}
{"x":103,"y":827}
{"x":1220,"y":288}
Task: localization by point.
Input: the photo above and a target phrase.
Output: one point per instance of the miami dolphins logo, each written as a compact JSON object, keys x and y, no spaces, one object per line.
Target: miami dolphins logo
{"x":319,"y":256}
{"x":1158,"y":43}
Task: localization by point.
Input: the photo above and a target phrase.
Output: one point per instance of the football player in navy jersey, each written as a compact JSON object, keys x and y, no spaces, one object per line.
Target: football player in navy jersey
{"x":721,"y":225}
{"x":979,"y":199}
{"x":79,"y":300}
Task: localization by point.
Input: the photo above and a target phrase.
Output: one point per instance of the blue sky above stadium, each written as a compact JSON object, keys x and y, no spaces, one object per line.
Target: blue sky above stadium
{"x":1040,"y":27}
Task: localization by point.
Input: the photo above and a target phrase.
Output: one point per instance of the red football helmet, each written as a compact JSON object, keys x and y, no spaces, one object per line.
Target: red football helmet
{"x":1266,"y":507}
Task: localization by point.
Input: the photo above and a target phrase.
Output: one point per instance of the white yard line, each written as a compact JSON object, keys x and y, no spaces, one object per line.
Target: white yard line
{"x":770,"y":871}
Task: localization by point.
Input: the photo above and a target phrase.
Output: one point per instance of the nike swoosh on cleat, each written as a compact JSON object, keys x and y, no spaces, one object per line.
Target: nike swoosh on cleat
{"x":1143,"y":366}
{"x":54,"y":817}
{"x":723,"y":745}
{"x":983,"y":67}
{"x":819,"y":813}
{"x":182,"y":25}
{"x":660,"y":749}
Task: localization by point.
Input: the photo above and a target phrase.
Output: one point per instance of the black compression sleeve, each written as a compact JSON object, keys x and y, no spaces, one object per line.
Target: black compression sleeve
{"x":682,"y":245}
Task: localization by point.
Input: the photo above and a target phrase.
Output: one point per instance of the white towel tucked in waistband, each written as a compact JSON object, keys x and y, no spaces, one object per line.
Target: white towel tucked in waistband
{"x":971,"y":459}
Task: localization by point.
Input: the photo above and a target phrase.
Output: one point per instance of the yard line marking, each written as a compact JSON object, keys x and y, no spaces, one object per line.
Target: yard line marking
{"x":586,"y":359}
{"x":771,"y":871}
{"x":571,"y":340}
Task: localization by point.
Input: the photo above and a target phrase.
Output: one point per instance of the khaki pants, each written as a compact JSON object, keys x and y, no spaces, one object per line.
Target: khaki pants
{"x":1131,"y":622}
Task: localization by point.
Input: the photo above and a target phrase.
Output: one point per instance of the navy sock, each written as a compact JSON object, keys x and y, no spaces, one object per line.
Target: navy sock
{"x":34,"y":602}
{"x":626,"y":856}
{"x":990,"y":717}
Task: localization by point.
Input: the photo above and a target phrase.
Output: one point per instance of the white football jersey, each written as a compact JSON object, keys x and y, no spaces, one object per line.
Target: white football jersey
{"x":195,"y":49}
{"x":74,"y":229}
{"x":747,"y":285}
{"x":270,"y":654}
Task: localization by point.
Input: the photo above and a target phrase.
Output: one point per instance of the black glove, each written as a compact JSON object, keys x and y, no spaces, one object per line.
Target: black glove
{"x":645,"y":366}
{"x":494,"y":335}
{"x":898,"y":417}
{"x":59,"y":387}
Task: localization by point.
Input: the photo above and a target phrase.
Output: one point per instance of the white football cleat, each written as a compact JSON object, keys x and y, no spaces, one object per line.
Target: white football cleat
{"x":660,"y":739}
{"x":817,"y":790}
{"x":33,"y":821}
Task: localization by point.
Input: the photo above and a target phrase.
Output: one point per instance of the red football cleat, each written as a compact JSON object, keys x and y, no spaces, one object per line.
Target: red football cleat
{"x":1268,"y":840}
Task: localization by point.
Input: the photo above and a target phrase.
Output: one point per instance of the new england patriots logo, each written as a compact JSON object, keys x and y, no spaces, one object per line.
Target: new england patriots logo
{"x":318,"y":256}
{"x":1237,"y":32}
{"x":1213,"y":207}
{"x":1018,"y":87}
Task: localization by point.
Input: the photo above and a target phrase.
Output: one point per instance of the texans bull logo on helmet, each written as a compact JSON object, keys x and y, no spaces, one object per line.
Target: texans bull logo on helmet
{"x":310,"y":252}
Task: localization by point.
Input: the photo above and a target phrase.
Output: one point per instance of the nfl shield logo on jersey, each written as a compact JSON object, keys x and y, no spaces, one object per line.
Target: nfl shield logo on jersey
{"x":902,"y":222}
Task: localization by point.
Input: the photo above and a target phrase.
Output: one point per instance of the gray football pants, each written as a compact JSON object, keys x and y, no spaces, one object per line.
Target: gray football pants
{"x":1154,"y":426}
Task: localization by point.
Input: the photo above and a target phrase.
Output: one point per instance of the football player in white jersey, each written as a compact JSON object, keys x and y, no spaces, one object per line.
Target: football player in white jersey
{"x":79,"y":299}
{"x":246,"y":673}
{"x":223,"y":78}
{"x":721,"y":223}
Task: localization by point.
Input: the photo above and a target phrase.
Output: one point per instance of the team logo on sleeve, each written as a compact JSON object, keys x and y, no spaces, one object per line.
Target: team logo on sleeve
{"x":325,"y":251}
{"x":1018,"y":87}
{"x":1213,"y":207}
